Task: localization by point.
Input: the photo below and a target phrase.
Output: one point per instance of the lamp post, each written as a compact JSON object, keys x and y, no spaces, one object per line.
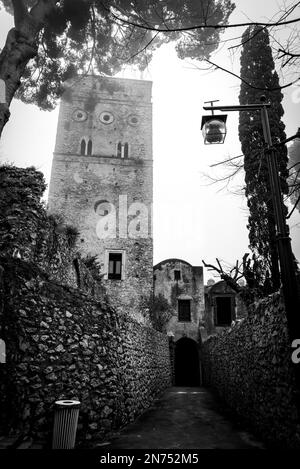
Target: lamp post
{"x":289,"y":282}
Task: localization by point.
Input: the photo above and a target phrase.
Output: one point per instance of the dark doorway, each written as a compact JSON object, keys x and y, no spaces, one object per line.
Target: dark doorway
{"x":186,"y":363}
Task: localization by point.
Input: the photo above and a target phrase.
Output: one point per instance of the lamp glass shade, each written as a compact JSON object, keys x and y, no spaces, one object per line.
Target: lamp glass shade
{"x":214,"y":130}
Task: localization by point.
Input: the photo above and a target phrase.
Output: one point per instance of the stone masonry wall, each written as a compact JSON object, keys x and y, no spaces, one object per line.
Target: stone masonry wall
{"x":63,"y":344}
{"x":63,"y":339}
{"x":250,"y":367}
{"x":76,"y":199}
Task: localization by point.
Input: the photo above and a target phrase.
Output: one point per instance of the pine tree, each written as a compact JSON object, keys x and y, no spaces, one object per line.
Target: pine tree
{"x":257,"y":69}
{"x":54,"y":40}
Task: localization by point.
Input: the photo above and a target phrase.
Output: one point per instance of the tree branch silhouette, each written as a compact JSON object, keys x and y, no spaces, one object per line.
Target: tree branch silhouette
{"x":249,"y":84}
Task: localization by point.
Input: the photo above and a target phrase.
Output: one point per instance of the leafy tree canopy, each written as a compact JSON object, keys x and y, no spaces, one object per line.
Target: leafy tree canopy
{"x":55,"y":40}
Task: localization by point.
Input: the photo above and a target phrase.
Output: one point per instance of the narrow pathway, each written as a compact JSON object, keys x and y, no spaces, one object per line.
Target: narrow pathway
{"x":183,"y":418}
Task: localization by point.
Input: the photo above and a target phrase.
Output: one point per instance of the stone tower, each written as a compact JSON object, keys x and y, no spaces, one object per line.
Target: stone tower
{"x":101,"y":181}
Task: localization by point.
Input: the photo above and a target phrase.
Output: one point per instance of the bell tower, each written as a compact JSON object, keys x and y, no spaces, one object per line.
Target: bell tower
{"x":101,"y":181}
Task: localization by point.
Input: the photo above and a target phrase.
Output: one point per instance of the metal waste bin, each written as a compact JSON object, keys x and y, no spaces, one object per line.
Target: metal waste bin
{"x":65,"y":424}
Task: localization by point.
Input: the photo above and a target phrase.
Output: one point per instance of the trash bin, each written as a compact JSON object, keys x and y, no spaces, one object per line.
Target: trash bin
{"x":65,"y":424}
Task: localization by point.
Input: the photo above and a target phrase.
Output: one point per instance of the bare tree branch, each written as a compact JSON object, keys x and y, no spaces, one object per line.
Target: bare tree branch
{"x":225,"y":161}
{"x":144,"y":48}
{"x":238,"y":271}
{"x":295,"y":205}
{"x":282,"y":18}
{"x":290,"y":54}
{"x":199,"y":26}
{"x":244,"y":42}
{"x":249,"y":84}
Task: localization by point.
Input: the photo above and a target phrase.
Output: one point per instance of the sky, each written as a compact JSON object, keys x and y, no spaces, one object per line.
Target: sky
{"x":193,"y":220}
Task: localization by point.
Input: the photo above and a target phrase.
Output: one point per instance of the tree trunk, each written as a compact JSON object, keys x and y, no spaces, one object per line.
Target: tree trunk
{"x":21,"y":46}
{"x":13,"y":59}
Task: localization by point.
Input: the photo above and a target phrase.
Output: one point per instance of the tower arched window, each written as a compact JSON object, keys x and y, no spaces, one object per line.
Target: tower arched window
{"x":119,"y":150}
{"x":126,"y":150}
{"x":89,"y":147}
{"x":122,"y":150}
{"x":82,"y":147}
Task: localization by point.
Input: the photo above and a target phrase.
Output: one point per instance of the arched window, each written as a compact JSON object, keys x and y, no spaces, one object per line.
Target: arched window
{"x":82,"y":147}
{"x":126,"y":150}
{"x":119,"y":150}
{"x":89,"y":147}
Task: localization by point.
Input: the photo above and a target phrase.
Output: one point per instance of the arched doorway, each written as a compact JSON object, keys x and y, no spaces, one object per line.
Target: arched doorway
{"x":187,"y":372}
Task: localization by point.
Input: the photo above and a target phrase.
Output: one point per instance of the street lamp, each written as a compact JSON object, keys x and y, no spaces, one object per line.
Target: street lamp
{"x":213,"y":127}
{"x":289,"y":282}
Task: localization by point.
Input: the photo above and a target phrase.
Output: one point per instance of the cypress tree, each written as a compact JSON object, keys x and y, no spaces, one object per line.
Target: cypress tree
{"x":257,"y":69}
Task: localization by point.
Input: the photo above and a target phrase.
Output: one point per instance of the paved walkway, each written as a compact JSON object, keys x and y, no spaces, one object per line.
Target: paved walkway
{"x":10,"y":442}
{"x":183,"y":418}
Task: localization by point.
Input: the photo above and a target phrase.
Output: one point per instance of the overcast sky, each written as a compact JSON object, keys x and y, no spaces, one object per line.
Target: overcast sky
{"x":192,"y":220}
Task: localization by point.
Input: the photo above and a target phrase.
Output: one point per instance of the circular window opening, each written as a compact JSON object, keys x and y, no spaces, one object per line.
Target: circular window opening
{"x":106,"y":117}
{"x":133,"y":120}
{"x":102,"y":208}
{"x":79,"y":115}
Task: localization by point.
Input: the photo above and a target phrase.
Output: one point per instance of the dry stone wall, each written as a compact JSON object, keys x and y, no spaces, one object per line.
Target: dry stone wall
{"x":63,"y":338}
{"x":63,"y":344}
{"x":250,"y":367}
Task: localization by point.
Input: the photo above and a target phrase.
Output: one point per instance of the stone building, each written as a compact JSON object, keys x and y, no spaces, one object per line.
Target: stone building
{"x":222,"y":307}
{"x":199,"y":311}
{"x":181,"y":284}
{"x":101,"y":181}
